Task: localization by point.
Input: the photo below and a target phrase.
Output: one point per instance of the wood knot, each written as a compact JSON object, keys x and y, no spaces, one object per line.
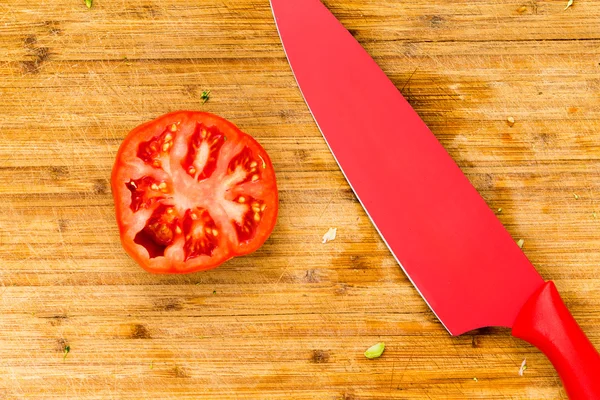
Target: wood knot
{"x":56,"y":320}
{"x":30,"y":41}
{"x":169,"y":305}
{"x":300,"y":155}
{"x":139,"y":331}
{"x":312,"y":276}
{"x":61,"y":344}
{"x":53,"y":27}
{"x":319,"y":357}
{"x":285,"y":114}
{"x":179,"y":372}
{"x":100,"y":186}
{"x":341,"y":289}
{"x":63,"y":224}
{"x":358,"y":263}
{"x":58,"y":172}
{"x":40,"y":55}
{"x":436,"y":21}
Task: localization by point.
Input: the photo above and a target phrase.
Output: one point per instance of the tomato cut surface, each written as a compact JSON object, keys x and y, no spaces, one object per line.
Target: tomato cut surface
{"x":192,"y":191}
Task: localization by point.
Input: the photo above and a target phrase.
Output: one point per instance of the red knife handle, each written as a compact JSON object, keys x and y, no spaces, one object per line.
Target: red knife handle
{"x":546,"y":323}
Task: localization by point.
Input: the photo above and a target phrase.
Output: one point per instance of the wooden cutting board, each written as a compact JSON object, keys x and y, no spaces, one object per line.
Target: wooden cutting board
{"x":291,"y":321}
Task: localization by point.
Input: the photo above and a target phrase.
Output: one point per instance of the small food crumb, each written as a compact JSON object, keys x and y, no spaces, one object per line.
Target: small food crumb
{"x":66,"y":350}
{"x":152,"y":364}
{"x":569,"y":4}
{"x":264,"y":164}
{"x":214,"y":292}
{"x":511,"y":121}
{"x":520,"y":243}
{"x":88,"y":3}
{"x":375,"y":351}
{"x":594,"y":215}
{"x":576,"y":196}
{"x":523,"y":367}
{"x":330,"y":235}
{"x":499,"y":210}
{"x":475,"y":379}
{"x":205,"y":96}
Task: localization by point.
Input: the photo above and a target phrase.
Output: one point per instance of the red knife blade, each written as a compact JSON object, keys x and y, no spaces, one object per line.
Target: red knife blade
{"x":450,"y":244}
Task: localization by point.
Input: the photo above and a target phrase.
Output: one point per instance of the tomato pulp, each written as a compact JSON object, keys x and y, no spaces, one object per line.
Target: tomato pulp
{"x":192,"y":191}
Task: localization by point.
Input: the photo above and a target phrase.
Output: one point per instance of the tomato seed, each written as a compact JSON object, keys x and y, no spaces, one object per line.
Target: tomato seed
{"x":253,"y":164}
{"x":173,"y":128}
{"x":257,"y":217}
{"x":242,"y":199}
{"x":254,"y":178}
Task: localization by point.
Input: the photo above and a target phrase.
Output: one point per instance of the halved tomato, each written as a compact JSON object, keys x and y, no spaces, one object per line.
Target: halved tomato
{"x":191,"y":191}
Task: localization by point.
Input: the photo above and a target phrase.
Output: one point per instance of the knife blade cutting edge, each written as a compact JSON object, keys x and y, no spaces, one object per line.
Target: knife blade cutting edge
{"x":457,"y":254}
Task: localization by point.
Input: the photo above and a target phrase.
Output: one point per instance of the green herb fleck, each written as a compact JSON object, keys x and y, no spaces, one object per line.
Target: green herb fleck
{"x":66,"y":350}
{"x":576,"y":196}
{"x":520,"y":243}
{"x":214,"y":292}
{"x":523,"y":367}
{"x":205,"y":96}
{"x":569,"y":4}
{"x":152,"y":364}
{"x":88,"y":3}
{"x":375,"y":351}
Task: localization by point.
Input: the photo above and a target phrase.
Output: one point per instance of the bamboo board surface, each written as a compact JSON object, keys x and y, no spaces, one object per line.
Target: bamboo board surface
{"x":292,"y":320}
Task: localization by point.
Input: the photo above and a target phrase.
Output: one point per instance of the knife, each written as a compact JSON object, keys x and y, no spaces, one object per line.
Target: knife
{"x":447,"y":240}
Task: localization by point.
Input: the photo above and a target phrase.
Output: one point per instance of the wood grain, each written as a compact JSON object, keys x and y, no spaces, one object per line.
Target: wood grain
{"x":292,"y":320}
